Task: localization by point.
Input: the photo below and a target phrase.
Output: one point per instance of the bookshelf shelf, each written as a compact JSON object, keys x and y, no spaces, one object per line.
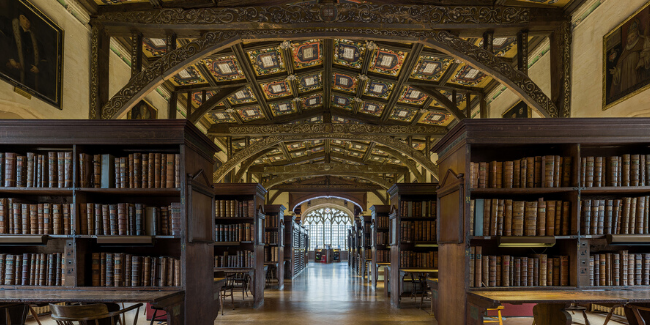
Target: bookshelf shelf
{"x":241,"y":205}
{"x":412,"y":219}
{"x":474,"y":142}
{"x":193,"y":154}
{"x":274,"y":248}
{"x":296,"y":243}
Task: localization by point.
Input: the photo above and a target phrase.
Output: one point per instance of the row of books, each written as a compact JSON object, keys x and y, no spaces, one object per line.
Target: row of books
{"x":137,"y":170}
{"x":367,"y":241}
{"x":418,"y":259}
{"x":234,"y":209}
{"x":271,"y":222}
{"x":366,"y":227}
{"x":382,"y":238}
{"x":271,"y":237}
{"x":271,"y":254}
{"x":619,"y":269}
{"x":383,"y":256}
{"x":510,"y":271}
{"x":417,"y":209}
{"x":505,"y":217}
{"x":34,"y":219}
{"x":126,"y":270}
{"x":381,"y":222}
{"x":53,"y":169}
{"x":32,"y":269}
{"x":234,"y":232}
{"x":130,"y":219}
{"x":628,"y":215}
{"x":529,"y":172}
{"x":625,"y":170}
{"x":418,"y":231}
{"x":239,"y":259}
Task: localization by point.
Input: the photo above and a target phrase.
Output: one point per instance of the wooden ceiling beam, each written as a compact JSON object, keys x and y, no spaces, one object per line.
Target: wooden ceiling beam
{"x":442,"y":99}
{"x":330,"y":168}
{"x":404,"y":75}
{"x":327,"y":188}
{"x":240,"y":54}
{"x":325,"y":130}
{"x":209,"y":104}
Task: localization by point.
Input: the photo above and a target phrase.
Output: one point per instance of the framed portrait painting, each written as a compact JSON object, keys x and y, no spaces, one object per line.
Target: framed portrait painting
{"x":626,"y":61}
{"x":518,"y":110}
{"x":142,"y":111}
{"x":32,"y":50}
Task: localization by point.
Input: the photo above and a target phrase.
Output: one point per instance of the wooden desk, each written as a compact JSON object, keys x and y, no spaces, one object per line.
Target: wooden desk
{"x":169,"y":300}
{"x":404,"y":271}
{"x":551,"y":303}
{"x":433,"y":284}
{"x":216,"y":291}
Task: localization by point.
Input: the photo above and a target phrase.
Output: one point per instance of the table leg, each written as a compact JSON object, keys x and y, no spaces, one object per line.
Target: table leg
{"x":551,"y":314}
{"x":175,"y":314}
{"x":474,"y":314}
{"x":637,"y":314}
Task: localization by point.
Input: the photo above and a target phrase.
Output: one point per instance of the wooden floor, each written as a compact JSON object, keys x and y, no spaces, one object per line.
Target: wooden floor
{"x":330,"y":294}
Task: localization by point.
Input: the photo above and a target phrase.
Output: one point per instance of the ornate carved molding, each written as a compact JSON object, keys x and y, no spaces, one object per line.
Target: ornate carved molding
{"x":273,"y":140}
{"x":392,"y":15}
{"x":321,"y":169}
{"x":412,"y":166}
{"x":327,"y":187}
{"x":248,"y":163}
{"x":287,"y":177}
{"x":296,"y":129}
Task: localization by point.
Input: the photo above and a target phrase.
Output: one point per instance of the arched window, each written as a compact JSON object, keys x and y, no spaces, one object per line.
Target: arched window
{"x":327,"y":226}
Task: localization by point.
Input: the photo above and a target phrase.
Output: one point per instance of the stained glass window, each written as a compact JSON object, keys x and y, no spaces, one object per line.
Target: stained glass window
{"x":327,"y":226}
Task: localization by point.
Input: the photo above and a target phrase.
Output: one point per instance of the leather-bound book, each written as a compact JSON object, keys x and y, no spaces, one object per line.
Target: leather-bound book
{"x":24,"y":217}
{"x":473,"y":175}
{"x":29,"y":175}
{"x":632,"y":223}
{"x":616,"y":269}
{"x":124,"y":172}
{"x":609,"y":214}
{"x":505,"y":271}
{"x":97,"y":171}
{"x":24,"y":269}
{"x":176,"y":219}
{"x":557,"y":171}
{"x":472,"y":262}
{"x":151,"y":179}
{"x":57,"y":219}
{"x":530,"y":218}
{"x":541,"y":217}
{"x":177,"y":170}
{"x":492,"y":271}
{"x":638,"y":269}
{"x":10,"y":169}
{"x":499,"y":176}
{"x":136,"y":271}
{"x":121,"y":219}
{"x":9,"y":269}
{"x":96,"y":274}
{"x":646,"y":269}
{"x":169,"y":177}
{"x":523,"y":173}
{"x":627,"y":160}
{"x":17,"y":229}
{"x":157,"y":163}
{"x":2,"y":183}
{"x":117,"y":269}
{"x":112,"y":219}
{"x":640,"y":215}
{"x":634,"y":170}
{"x":494,"y":217}
{"x":102,"y":269}
{"x":589,"y":180}
{"x":550,"y":218}
{"x":586,"y":217}
{"x":598,"y":171}
{"x":548,"y":174}
{"x":492,"y":174}
{"x":530,"y":172}
{"x":646,"y":222}
{"x":516,"y":173}
{"x":518,"y":210}
{"x":516,"y":279}
{"x":139,"y":219}
{"x":41,"y":180}
{"x":487,"y":208}
{"x":110,"y":270}
{"x":60,"y":169}
{"x":583,"y":171}
{"x":144,"y":171}
{"x":507,"y":219}
{"x":524,"y":272}
{"x":4,"y":218}
{"x":106,"y":223}
{"x":130,"y":171}
{"x":131,"y":223}
{"x":170,"y":272}
{"x":52,"y":170}
{"x":98,"y":217}
{"x":602,"y":278}
{"x":612,"y":171}
{"x":508,"y":174}
{"x":51,"y":270}
{"x":164,"y":221}
{"x":594,"y":217}
{"x":163,"y":170}
{"x":67,"y":170}
{"x":137,"y":172}
{"x":118,"y":179}
{"x":564,"y":270}
{"x":87,"y":219}
{"x":646,"y":167}
{"x":500,"y":216}
{"x":531,"y":272}
{"x":126,"y":275}
{"x":33,"y":219}
{"x":177,"y":273}
{"x":43,"y":273}
{"x":21,"y":162}
{"x":499,"y":273}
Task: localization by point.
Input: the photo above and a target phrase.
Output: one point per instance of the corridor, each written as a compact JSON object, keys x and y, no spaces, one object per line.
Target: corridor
{"x":325,"y":294}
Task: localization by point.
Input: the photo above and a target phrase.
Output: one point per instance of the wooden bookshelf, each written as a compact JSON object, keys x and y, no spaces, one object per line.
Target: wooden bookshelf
{"x":248,"y":198}
{"x":192,"y":194}
{"x":475,"y":141}
{"x":365,"y":228}
{"x":404,"y":213}
{"x":275,"y":229}
{"x":296,"y":245}
{"x":380,"y":221}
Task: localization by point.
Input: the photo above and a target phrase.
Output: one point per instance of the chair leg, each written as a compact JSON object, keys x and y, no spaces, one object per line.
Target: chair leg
{"x":221,"y":303}
{"x":232,"y":298}
{"x":31,"y":310}
{"x":609,"y":315}
{"x":584,"y":313}
{"x":500,"y":319}
{"x":153,"y":317}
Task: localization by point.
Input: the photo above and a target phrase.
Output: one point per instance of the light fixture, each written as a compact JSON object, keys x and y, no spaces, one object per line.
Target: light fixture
{"x":628,"y":240}
{"x":526,"y":241}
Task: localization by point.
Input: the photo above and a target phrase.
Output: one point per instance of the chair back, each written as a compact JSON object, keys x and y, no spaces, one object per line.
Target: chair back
{"x":65,"y":315}
{"x":230,"y":280}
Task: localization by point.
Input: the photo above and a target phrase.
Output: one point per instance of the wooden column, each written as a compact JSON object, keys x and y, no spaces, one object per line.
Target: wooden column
{"x":100,"y":53}
{"x":136,"y":53}
{"x":488,"y":41}
{"x":561,"y":68}
{"x":522,"y":51}
{"x":173,"y":104}
{"x":188,"y":105}
{"x":483,"y":107}
{"x":170,"y":42}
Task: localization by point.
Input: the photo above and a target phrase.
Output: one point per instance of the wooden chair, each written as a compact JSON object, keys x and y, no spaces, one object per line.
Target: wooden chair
{"x":96,"y":314}
{"x":154,"y":317}
{"x":241,"y":281}
{"x":497,"y":319}
{"x":230,"y":285}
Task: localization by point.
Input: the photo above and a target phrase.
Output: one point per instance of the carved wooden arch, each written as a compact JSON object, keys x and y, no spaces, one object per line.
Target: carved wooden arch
{"x":214,"y":41}
{"x":341,"y":196}
{"x":287,"y":177}
{"x":314,"y":132}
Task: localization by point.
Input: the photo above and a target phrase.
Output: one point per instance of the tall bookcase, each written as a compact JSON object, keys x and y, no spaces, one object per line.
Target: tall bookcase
{"x":191,"y":194}
{"x":502,"y":140}
{"x":380,"y":249}
{"x":274,"y":227}
{"x":412,"y":229}
{"x":296,"y":244}
{"x":366,"y":244}
{"x":239,"y":210}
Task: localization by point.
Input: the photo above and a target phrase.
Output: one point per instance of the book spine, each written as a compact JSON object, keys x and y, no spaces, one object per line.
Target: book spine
{"x":10,"y":169}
